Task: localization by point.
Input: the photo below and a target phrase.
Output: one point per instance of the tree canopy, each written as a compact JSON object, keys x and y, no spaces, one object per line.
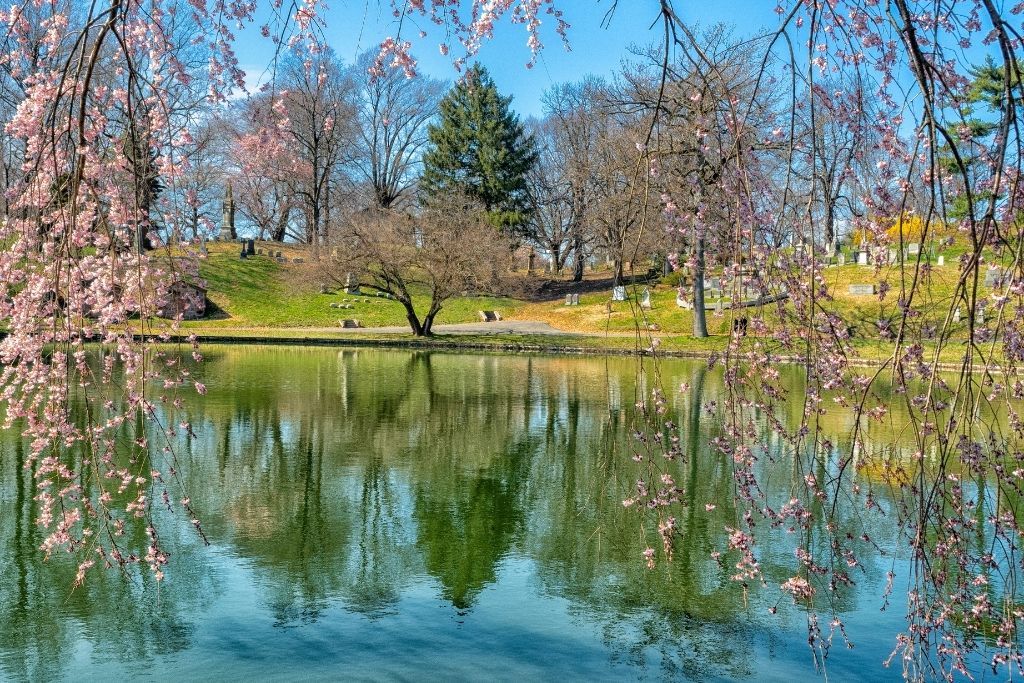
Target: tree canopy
{"x":479,"y":148}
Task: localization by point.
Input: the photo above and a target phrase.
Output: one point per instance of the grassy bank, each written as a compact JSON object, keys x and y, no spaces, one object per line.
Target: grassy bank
{"x":261,"y":300}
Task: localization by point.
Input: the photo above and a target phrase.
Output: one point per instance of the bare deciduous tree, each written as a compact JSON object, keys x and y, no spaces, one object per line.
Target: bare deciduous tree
{"x":420,"y":260}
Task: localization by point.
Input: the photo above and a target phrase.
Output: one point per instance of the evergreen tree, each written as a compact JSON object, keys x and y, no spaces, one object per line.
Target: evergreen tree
{"x":479,"y":149}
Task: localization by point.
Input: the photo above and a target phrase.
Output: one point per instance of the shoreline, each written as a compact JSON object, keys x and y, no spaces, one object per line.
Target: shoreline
{"x":527,"y":345}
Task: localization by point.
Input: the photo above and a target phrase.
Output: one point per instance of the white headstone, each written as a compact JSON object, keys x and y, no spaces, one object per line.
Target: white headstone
{"x":618,"y":293}
{"x":956,"y":315}
{"x":892,"y":256}
{"x":568,"y":299}
{"x":575,"y":299}
{"x":913,"y":249}
{"x":862,"y":258}
{"x":941,"y":261}
{"x":841,"y":259}
{"x":645,"y":301}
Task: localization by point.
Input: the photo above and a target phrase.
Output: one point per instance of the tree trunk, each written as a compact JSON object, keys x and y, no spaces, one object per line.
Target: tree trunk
{"x":414,"y":321}
{"x":700,"y":318}
{"x":617,"y":275}
{"x":578,"y":260}
{"x":428,"y":321}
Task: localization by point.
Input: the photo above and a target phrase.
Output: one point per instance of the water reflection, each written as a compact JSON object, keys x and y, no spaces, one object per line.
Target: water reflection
{"x":372,"y":509}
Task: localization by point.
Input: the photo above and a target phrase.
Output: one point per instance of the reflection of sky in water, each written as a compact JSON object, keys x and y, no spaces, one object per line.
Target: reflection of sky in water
{"x":403,"y":516}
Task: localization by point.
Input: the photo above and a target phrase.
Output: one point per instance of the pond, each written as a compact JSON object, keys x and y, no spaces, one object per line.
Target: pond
{"x":379,"y":514}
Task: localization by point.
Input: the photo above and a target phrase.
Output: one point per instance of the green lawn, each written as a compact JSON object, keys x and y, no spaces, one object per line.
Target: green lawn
{"x":260,"y":292}
{"x":260,"y":298}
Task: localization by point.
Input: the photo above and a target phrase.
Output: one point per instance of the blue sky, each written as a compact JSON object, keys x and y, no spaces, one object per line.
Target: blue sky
{"x":356,"y":25}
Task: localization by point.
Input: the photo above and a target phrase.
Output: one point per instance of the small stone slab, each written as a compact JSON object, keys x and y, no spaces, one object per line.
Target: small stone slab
{"x":861,"y":290}
{"x":350,"y":323}
{"x":993,"y":277}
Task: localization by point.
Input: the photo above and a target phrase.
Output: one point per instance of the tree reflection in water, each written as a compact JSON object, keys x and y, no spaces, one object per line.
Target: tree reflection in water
{"x":345,"y":484}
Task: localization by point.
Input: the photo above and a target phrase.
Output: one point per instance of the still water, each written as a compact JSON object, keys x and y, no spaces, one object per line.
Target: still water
{"x":413,"y":516}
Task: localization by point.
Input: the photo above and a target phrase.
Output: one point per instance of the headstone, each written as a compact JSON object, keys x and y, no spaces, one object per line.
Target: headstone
{"x":618,"y":293}
{"x":830,"y":249}
{"x":892,"y":256}
{"x":250,"y":248}
{"x":323,"y":289}
{"x":278,"y":254}
{"x":861,"y":290}
{"x":259,"y":252}
{"x":530,"y":260}
{"x":993,"y":276}
{"x":862,"y":258}
{"x":575,"y":299}
{"x":841,"y":259}
{"x":956,"y":315}
{"x":913,"y":249}
{"x":941,"y":261}
{"x":645,"y":300}
{"x":681,"y":302}
{"x":298,"y":260}
{"x":568,"y":299}
{"x":350,"y":286}
{"x":719,"y":306}
{"x":979,"y":315}
{"x":202,"y":248}
{"x":242,"y":255}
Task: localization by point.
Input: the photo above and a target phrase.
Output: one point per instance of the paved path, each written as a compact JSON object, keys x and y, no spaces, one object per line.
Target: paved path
{"x":499,"y":327}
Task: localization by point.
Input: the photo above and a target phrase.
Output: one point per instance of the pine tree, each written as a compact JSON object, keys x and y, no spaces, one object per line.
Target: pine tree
{"x":479,"y":149}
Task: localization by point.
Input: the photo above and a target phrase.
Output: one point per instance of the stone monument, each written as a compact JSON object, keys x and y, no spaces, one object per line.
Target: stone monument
{"x":227,"y":226}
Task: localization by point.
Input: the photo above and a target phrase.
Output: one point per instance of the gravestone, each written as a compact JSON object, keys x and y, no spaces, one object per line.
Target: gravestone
{"x":993,"y":276}
{"x":350,"y":286}
{"x":530,"y":260}
{"x":941,"y":261}
{"x":250,"y":247}
{"x":841,"y":259}
{"x":298,"y":260}
{"x":278,"y":254}
{"x":242,"y":255}
{"x":618,"y":293}
{"x":862,"y":258}
{"x":979,"y":315}
{"x":645,"y":300}
{"x":861,"y":290}
{"x":956,"y":315}
{"x":913,"y":249}
{"x":830,"y":249}
{"x":681,"y":302}
{"x":568,"y":299}
{"x":892,"y":256}
{"x":575,"y":299}
{"x":323,"y":289}
{"x":719,"y":306}
{"x":202,"y":249}
{"x":259,"y":252}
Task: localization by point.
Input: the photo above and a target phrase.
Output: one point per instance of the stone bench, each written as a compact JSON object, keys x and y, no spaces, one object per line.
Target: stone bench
{"x":489,"y":316}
